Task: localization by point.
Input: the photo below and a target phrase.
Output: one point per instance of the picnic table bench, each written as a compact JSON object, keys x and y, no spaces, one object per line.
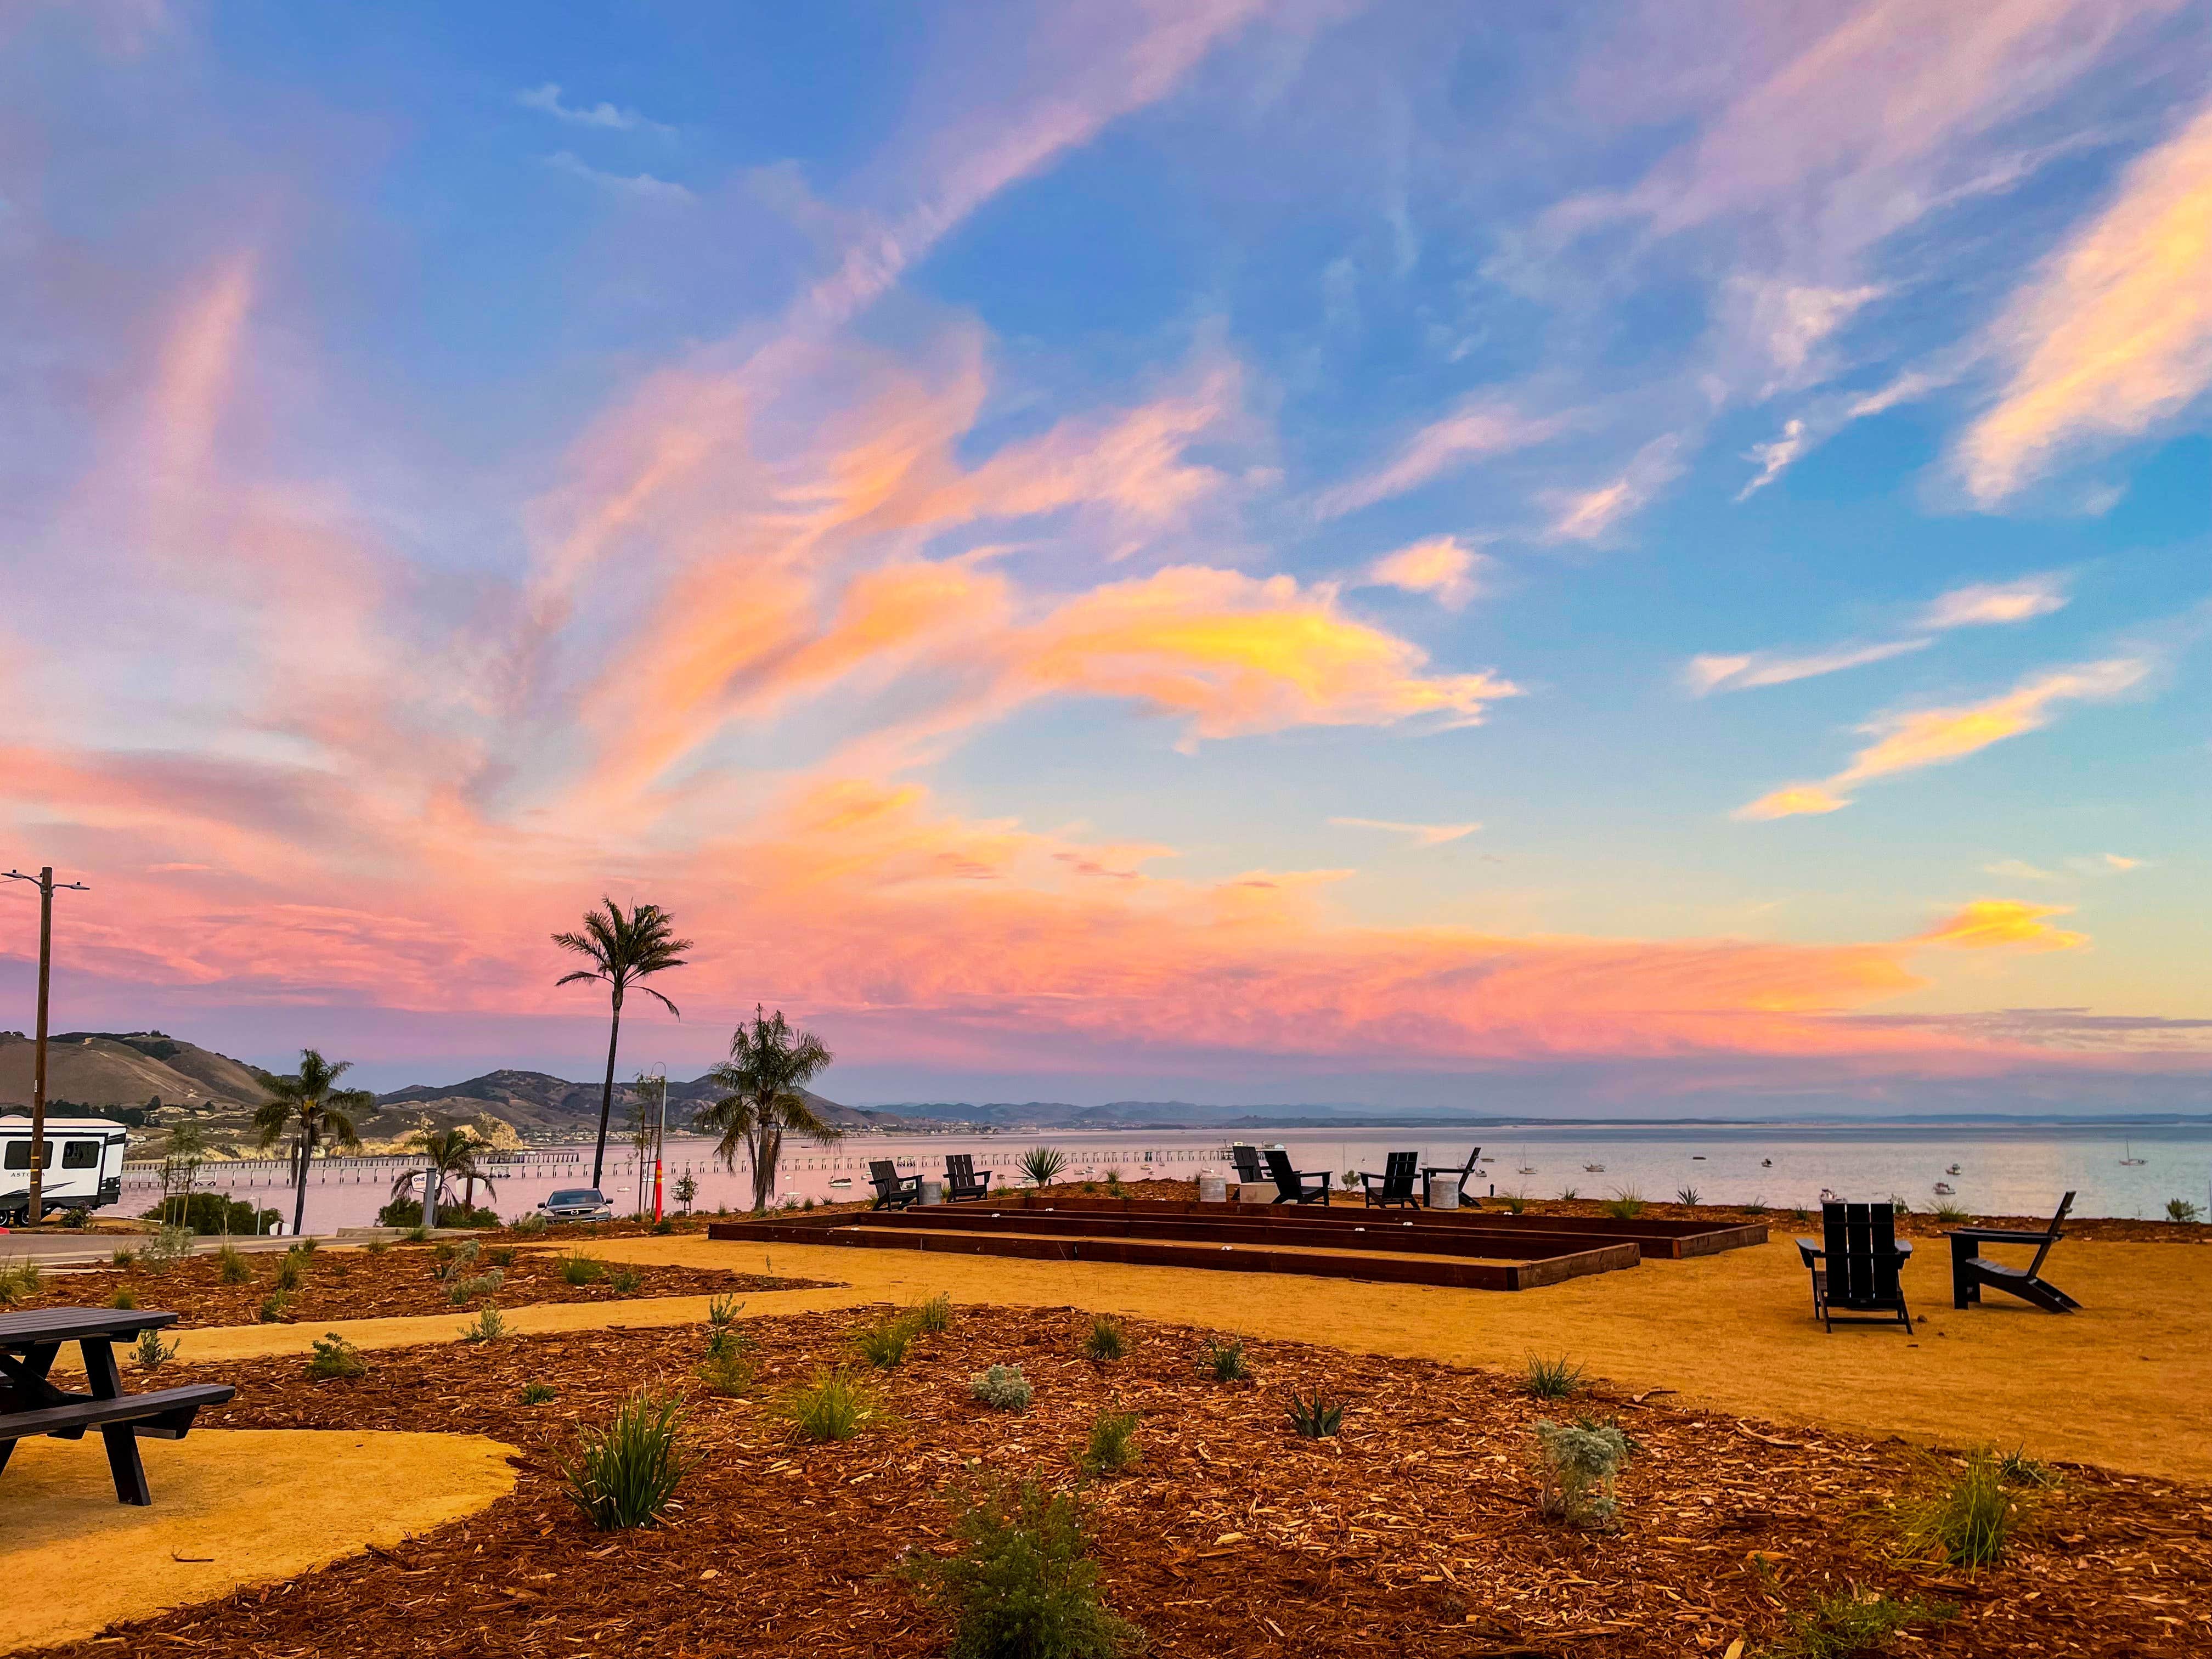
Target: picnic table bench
{"x":30,"y":1405}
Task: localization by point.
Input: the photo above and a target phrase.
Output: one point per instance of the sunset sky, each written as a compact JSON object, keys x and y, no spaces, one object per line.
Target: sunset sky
{"x":1600,"y":559}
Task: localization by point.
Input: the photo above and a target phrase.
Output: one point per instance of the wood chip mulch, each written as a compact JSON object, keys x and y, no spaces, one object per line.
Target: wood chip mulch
{"x":349,"y":1284}
{"x":1413,"y":1533}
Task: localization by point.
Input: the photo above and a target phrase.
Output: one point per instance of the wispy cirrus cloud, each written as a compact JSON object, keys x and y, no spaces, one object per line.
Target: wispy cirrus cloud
{"x":1984,"y":605}
{"x":2115,"y":334}
{"x":1591,"y":515}
{"x":1441,"y":566}
{"x":1482,"y":427}
{"x":546,"y":100}
{"x":1421,"y":834}
{"x":1752,"y":669}
{"x":1932,"y":737}
{"x":2003,"y":923}
{"x":642,"y":186}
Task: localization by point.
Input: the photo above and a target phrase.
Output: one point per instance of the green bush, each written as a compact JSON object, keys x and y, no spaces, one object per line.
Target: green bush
{"x":1686,"y":1195}
{"x":1553,"y":1379}
{"x":1224,"y":1361}
{"x":377,"y":1246}
{"x":232,"y":1268}
{"x":275,"y":1307}
{"x":2017,"y":1468}
{"x":531,"y":1224}
{"x":168,"y":1246}
{"x":1569,"y":1194}
{"x":1022,"y":1584}
{"x":722,"y":1313}
{"x":537,"y":1393}
{"x":407,"y":1212}
{"x":1043,"y":1164}
{"x":933,"y":1316}
{"x":1113,"y":1445}
{"x":455,"y":1260}
{"x":1968,"y":1518}
{"x":1104,"y":1341}
{"x":1576,"y":1464}
{"x":1757,"y":1206}
{"x":2180,"y":1209}
{"x":626,"y":1474}
{"x":1515,"y":1203}
{"x":1851,"y":1624}
{"x":18,"y":1279}
{"x":884,"y":1344}
{"x":209,"y":1214}
{"x":1316,"y":1416}
{"x":488,"y":1326}
{"x":122,"y":1255}
{"x":1624,"y":1205}
{"x":1002,"y":1388}
{"x":626,"y":1280}
{"x":830,"y":1406}
{"x":462,"y":1291}
{"x":123,"y":1297}
{"x":728,"y":1370}
{"x":335,"y":1357}
{"x":291,"y":1270}
{"x":152,"y":1351}
{"x":503,"y":1257}
{"x":578,"y":1269}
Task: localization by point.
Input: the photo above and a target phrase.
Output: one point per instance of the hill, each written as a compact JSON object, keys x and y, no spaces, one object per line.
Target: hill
{"x":136,"y":1068}
{"x":541,"y":1106}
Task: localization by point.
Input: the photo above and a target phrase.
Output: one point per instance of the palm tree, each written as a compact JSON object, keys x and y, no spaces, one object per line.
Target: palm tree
{"x":449,"y":1155}
{"x":320,"y":1110}
{"x":765,"y":1078}
{"x":623,"y":951}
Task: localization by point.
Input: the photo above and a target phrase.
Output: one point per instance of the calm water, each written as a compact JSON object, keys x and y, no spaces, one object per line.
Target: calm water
{"x":2002,"y":1171}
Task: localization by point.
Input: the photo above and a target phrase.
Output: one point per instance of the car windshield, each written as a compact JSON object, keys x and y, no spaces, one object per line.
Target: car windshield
{"x":577,"y":1195}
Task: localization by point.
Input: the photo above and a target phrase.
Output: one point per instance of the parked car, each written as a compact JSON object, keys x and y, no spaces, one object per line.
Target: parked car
{"x":576,"y":1204}
{"x":83,"y":1166}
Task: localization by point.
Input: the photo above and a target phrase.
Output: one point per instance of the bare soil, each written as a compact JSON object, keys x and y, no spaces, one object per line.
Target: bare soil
{"x":1413,"y":1532}
{"x":404,"y":1280}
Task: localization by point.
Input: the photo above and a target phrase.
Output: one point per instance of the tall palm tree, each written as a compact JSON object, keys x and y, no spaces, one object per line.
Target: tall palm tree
{"x":623,"y":951}
{"x":321,"y":1111}
{"x":448,"y":1155}
{"x":764,"y":1083}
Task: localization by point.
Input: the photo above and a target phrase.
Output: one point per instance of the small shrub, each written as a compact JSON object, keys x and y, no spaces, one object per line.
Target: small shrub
{"x":1624,"y":1205}
{"x":1002,"y":1388}
{"x":1104,"y":1341}
{"x":2017,"y":1468}
{"x":308,"y":1246}
{"x":1090,"y":1185}
{"x":1900,"y":1204}
{"x":152,"y":1352}
{"x":122,"y":1255}
{"x":459,"y":1259}
{"x":626,"y":1280}
{"x":1225,"y":1361}
{"x":830,"y":1406}
{"x":1113,"y":1445}
{"x":1757,"y":1206}
{"x":488,"y":1326}
{"x":1950,"y":1214}
{"x":727,"y":1370}
{"x":291,"y":1272}
{"x":1849,"y":1624}
{"x":531,"y":1224}
{"x":933,"y":1316}
{"x":1314,"y":1416}
{"x":1023,"y":1583}
{"x":1515,"y":1203}
{"x":232,"y":1268}
{"x":1553,"y":1379}
{"x":1800,"y":1217}
{"x":335,"y":1357}
{"x":884,"y":1344}
{"x":666,"y":1225}
{"x":377,"y":1246}
{"x":1043,"y":1164}
{"x":1569,"y":1194}
{"x":463,"y":1291}
{"x":418,"y":1234}
{"x":722,"y":1313}
{"x":1686,"y":1195}
{"x":2180,"y":1209}
{"x":1968,"y":1518}
{"x":1576,"y":1464}
{"x":168,"y":1246}
{"x":538,"y":1394}
{"x":578,"y":1269}
{"x":503,"y":1257}
{"x":123,"y":1297}
{"x":275,"y":1307}
{"x":626,"y":1474}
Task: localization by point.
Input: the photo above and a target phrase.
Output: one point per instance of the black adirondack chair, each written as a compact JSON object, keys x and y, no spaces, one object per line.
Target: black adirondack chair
{"x":1246,"y":1159}
{"x":1430,"y":1173}
{"x":893,"y":1190}
{"x":1291,"y":1186}
{"x":1971,"y":1270}
{"x":1856,"y":1267}
{"x":1395,"y":1184}
{"x":961,"y":1180}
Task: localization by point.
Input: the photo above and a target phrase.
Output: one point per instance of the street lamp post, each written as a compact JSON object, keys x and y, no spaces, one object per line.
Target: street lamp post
{"x":44,"y":881}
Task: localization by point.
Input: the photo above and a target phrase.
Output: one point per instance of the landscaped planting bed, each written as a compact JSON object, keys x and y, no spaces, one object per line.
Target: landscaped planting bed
{"x":403,"y":1279}
{"x":1414,"y":1530}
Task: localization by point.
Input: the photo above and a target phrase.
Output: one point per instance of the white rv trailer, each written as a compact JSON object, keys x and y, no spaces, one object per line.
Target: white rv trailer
{"x":83,"y":1166}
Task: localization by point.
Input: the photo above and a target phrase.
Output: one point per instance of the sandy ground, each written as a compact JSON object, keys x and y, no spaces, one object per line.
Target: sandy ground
{"x":246,"y":1506}
{"x":2112,"y":1385}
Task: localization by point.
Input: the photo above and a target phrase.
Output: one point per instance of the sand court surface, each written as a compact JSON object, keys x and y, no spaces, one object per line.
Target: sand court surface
{"x":231,"y":1508}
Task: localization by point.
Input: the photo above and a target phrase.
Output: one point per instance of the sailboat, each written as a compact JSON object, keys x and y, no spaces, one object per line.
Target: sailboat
{"x":2130,"y":1160}
{"x":1953,"y":1170}
{"x":1594,"y":1169}
{"x":1766,"y":1163}
{"x":1944,"y":1189}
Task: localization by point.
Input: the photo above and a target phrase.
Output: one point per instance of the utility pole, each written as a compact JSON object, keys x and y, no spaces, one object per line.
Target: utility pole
{"x":36,"y":1210}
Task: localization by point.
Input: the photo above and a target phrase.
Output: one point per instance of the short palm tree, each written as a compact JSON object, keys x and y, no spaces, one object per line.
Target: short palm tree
{"x":313,"y":1106}
{"x":623,"y":951}
{"x":764,"y":1084}
{"x":449,"y":1155}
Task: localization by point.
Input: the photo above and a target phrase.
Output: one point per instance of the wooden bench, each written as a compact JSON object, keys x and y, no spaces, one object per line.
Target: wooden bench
{"x":31,"y":1405}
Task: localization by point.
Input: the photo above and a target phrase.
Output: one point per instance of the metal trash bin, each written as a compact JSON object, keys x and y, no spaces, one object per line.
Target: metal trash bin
{"x":1212,"y":1189}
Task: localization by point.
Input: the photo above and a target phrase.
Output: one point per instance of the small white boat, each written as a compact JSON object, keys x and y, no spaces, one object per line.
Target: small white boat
{"x":2131,"y":1160}
{"x":1594,"y":1169}
{"x":1944,"y":1189}
{"x":1953,"y":1170}
{"x":841,"y":1181}
{"x":1525,"y":1168}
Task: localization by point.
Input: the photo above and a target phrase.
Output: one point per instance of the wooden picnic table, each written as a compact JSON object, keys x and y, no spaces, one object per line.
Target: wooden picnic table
{"x":31,"y":1405}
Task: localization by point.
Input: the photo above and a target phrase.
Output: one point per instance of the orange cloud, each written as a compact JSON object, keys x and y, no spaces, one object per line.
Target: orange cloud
{"x":2115,"y":333}
{"x":1439,"y":565}
{"x":1933,"y":736}
{"x":2004,"y":924}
